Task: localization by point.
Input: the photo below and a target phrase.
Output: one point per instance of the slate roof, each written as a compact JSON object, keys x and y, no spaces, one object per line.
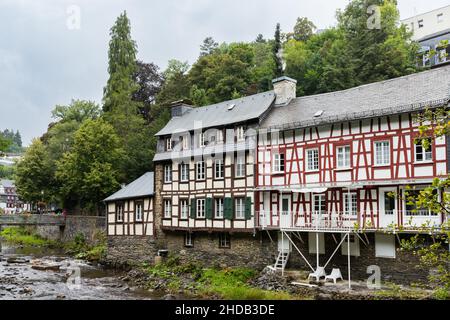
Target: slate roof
{"x":246,"y":108}
{"x":140,"y":187}
{"x":7,"y":183}
{"x":399,"y":95}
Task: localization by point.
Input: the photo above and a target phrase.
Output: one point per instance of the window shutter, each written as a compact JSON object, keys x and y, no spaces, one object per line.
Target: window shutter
{"x":228,"y":208}
{"x":208,"y":208}
{"x":193,"y":208}
{"x":248,"y":208}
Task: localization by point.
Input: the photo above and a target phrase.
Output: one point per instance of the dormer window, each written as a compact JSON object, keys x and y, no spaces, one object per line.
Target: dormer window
{"x":184,"y":141}
{"x":168,"y":144}
{"x":420,"y":23}
{"x":240,"y":133}
{"x":219,"y":136}
{"x":201,"y":139}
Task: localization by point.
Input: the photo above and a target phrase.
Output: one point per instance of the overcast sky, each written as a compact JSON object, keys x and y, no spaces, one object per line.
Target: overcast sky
{"x":48,"y":56}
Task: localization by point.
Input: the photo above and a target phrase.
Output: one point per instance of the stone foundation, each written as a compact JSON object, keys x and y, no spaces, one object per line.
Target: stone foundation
{"x":130,"y":250}
{"x":245,"y":250}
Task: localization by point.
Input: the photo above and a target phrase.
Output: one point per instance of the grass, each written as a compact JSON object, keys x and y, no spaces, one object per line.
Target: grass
{"x":81,"y":249}
{"x":228,"y":284}
{"x":25,"y":236}
{"x":396,"y":292}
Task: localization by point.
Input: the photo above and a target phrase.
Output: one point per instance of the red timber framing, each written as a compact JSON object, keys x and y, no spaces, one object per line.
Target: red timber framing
{"x":363,"y":176}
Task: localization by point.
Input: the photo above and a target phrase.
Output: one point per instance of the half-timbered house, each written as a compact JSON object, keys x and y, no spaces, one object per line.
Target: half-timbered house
{"x":205,"y":177}
{"x":332,"y":169}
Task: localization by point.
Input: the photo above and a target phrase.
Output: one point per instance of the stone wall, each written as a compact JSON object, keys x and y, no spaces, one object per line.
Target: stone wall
{"x":89,"y":226}
{"x":403,"y":269}
{"x":245,"y":250}
{"x":130,"y":250}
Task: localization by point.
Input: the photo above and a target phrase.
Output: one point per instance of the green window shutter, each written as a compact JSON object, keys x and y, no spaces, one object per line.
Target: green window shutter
{"x":208,"y":208}
{"x":193,"y":208}
{"x":228,"y":208}
{"x":248,"y":208}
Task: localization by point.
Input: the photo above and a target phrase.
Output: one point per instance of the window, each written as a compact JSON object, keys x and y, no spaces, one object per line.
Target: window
{"x":219,"y":136}
{"x":219,"y":169}
{"x":441,"y":54}
{"x":200,"y":169}
{"x":423,"y":154}
{"x":319,"y":204}
{"x":184,"y":209}
{"x":184,"y":140}
{"x":119,"y":212}
{"x":382,"y":153}
{"x":201,"y":139}
{"x":188,"y":241}
{"x":200,"y":208}
{"x":240,"y":208}
{"x":168,"y":144}
{"x":412,"y":209}
{"x":420,"y":23}
{"x":167,"y":173}
{"x":224,"y":240}
{"x":312,"y":159}
{"x":167,"y":209}
{"x":350,"y":204}
{"x":278,"y":162}
{"x":440,"y":18}
{"x":184,"y":172}
{"x":240,"y":166}
{"x":218,"y":208}
{"x":138,"y":211}
{"x":343,"y":157}
{"x":240,"y":133}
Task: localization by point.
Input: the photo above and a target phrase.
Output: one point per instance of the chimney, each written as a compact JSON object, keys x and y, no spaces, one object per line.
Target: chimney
{"x":178,"y":108}
{"x":285,"y":90}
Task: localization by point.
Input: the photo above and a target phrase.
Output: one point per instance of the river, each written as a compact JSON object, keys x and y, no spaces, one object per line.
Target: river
{"x":35,"y":273}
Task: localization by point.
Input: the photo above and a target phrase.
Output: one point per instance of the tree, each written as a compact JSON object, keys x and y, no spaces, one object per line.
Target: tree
{"x":379,"y":52}
{"x":277,"y":52}
{"x":176,"y":83}
{"x":209,"y":46}
{"x":4,"y":143}
{"x":303,"y":30}
{"x":91,"y":170}
{"x":34,"y":173}
{"x":150,"y":81}
{"x":260,"y":39}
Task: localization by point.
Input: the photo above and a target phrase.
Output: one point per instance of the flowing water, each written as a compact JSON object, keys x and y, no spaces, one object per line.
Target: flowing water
{"x":34,"y":273}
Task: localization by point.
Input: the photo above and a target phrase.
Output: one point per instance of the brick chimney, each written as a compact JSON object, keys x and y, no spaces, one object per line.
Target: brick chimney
{"x":178,"y":108}
{"x":285,"y":90}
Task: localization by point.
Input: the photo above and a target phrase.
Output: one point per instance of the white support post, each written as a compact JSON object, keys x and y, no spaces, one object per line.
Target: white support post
{"x":348,"y":257}
{"x":282,"y":250}
{"x":280,"y":209}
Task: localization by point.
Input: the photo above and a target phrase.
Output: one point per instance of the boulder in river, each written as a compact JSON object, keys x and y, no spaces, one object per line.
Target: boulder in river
{"x":46,"y":267}
{"x":17,"y":260}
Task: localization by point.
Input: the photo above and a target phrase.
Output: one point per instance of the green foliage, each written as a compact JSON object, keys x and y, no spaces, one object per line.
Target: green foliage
{"x":276,"y":50}
{"x":90,"y":171}
{"x":303,"y":30}
{"x":7,"y":172}
{"x":24,"y":236}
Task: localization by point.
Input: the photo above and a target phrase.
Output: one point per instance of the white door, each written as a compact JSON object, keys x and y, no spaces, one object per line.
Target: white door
{"x":286,"y":214}
{"x":388,"y":207}
{"x":283,"y":243}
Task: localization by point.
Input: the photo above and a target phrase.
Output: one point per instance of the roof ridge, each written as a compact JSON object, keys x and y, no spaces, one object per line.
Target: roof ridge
{"x":412,"y":75}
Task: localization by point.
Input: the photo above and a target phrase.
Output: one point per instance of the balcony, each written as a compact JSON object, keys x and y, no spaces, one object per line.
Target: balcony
{"x":339,"y":222}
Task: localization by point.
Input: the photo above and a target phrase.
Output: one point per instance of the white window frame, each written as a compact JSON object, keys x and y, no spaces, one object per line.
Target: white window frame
{"x":343,"y":154}
{"x":319,"y":204}
{"x":201,"y":139}
{"x":381,"y":157}
{"x":224,"y":240}
{"x":440,"y":17}
{"x":240,"y":133}
{"x":188,"y":242}
{"x":119,"y":212}
{"x":278,"y":164}
{"x":167,"y":209}
{"x":218,"y":164}
{"x":201,"y":203}
{"x":184,"y":172}
{"x":312,"y":161}
{"x":219,"y":136}
{"x":185,"y":142}
{"x":240,"y":167}
{"x":218,"y":208}
{"x":353,"y":205}
{"x":167,"y":173}
{"x":169,"y":144}
{"x":184,"y":209}
{"x":239,"y":208}
{"x":200,"y":171}
{"x":420,"y":23}
{"x":138,"y":211}
{"x":427,"y":155}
